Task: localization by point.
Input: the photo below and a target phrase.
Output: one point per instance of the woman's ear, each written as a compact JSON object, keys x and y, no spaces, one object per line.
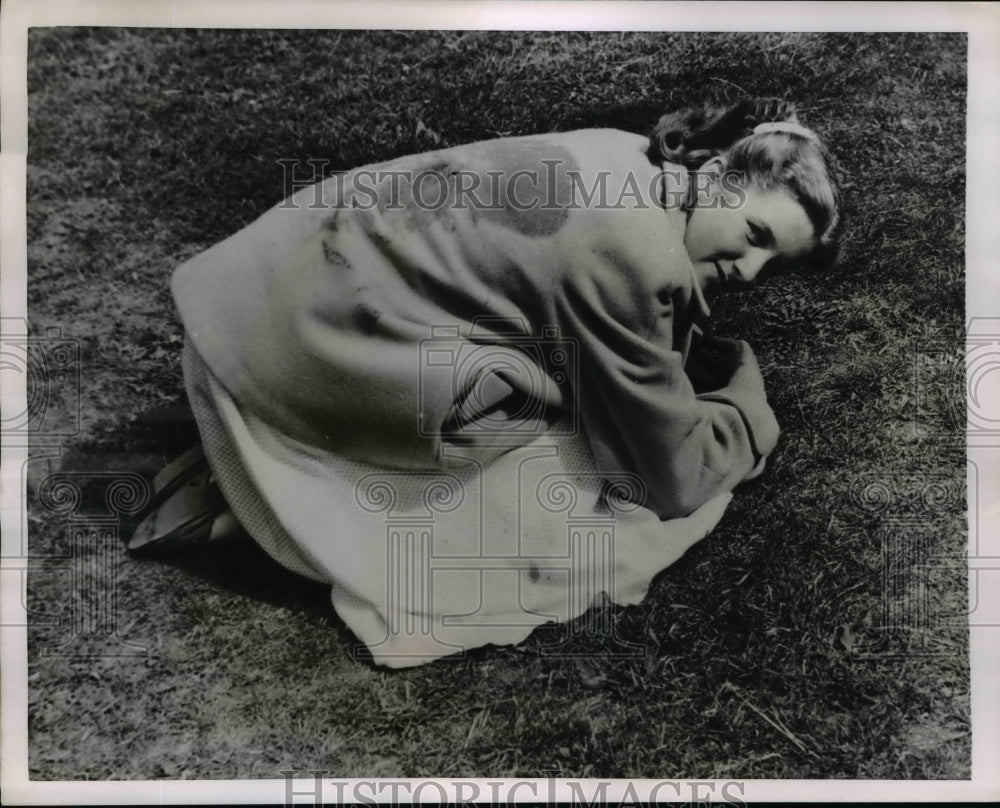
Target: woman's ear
{"x":714,"y":167}
{"x":706,"y":182}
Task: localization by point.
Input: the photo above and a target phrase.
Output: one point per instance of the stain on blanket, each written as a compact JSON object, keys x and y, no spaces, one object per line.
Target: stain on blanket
{"x":365,"y":318}
{"x":333,"y":256}
{"x":408,"y":198}
{"x":531,"y":185}
{"x":332,"y":221}
{"x":523,"y":187}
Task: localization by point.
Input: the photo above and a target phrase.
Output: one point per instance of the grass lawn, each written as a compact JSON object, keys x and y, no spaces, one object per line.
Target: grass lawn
{"x":787,"y":645}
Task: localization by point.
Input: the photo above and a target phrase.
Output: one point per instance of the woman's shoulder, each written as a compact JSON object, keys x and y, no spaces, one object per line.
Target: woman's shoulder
{"x":611,"y":146}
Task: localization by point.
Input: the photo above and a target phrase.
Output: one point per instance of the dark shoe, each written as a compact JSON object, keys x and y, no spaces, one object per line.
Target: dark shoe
{"x":185,"y":502}
{"x":173,"y":476}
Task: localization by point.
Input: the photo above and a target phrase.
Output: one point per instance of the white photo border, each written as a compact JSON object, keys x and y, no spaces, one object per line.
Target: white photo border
{"x":981,"y":22}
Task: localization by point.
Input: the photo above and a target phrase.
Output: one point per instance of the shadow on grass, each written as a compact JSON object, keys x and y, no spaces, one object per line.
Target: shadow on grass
{"x":143,"y":445}
{"x":239,"y":565}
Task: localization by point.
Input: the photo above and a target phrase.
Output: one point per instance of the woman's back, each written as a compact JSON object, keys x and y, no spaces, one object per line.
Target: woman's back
{"x":326,"y":315}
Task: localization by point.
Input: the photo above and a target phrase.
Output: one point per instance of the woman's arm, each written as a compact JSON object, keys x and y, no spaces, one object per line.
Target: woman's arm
{"x":640,"y":409}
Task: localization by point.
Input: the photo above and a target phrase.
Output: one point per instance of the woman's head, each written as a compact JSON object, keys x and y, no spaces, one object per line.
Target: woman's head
{"x":779,"y":173}
{"x":735,"y":234}
{"x":789,"y":157}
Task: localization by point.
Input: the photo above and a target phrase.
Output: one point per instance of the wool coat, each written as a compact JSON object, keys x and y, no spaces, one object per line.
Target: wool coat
{"x":445,"y":308}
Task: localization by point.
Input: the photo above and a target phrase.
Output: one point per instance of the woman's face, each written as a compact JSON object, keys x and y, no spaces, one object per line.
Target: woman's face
{"x":728,"y":246}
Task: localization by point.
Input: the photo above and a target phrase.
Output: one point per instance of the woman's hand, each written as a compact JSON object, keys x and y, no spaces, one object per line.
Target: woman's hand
{"x":715,"y":363}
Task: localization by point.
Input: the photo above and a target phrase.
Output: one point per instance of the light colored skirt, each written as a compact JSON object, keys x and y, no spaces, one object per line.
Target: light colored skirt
{"x":427,"y":564}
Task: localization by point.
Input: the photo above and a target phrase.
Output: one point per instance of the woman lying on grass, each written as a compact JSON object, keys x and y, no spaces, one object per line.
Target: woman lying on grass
{"x":417,"y":380}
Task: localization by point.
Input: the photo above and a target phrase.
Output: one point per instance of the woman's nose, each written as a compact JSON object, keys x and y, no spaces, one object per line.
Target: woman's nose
{"x":752,"y":262}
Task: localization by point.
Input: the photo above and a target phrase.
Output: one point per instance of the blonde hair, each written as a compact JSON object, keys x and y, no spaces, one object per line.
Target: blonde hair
{"x":763,"y":141}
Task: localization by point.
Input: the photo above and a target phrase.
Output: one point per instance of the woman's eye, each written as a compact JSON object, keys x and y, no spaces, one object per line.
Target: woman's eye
{"x":754,"y":234}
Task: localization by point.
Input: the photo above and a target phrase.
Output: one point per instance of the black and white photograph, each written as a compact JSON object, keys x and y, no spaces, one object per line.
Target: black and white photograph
{"x":499,"y":409}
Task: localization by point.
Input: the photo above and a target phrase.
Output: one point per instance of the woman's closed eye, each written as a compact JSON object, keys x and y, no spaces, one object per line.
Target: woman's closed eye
{"x":756,"y":235}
